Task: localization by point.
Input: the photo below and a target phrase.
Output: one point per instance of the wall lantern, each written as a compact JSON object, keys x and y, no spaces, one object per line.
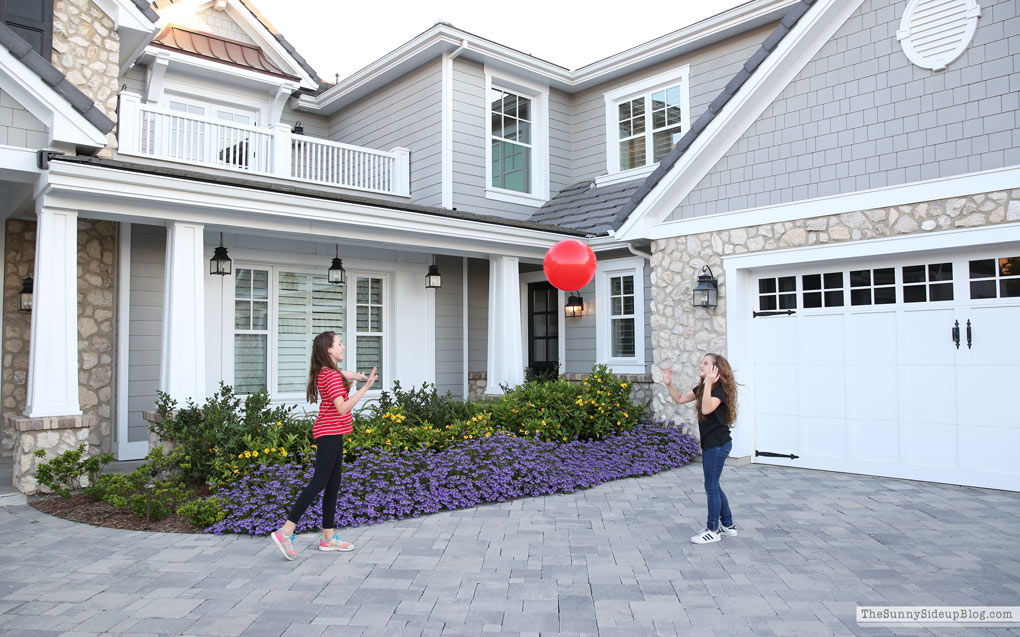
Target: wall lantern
{"x":574,"y":307}
{"x":298,"y":129}
{"x":25,"y":296}
{"x":336,"y":274}
{"x":706,"y":294}
{"x":220,"y":263}
{"x":433,"y":280}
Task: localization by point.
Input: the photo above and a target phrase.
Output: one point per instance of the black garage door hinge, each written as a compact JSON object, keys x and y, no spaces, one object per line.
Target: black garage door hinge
{"x":775,"y":455}
{"x":776,"y":313}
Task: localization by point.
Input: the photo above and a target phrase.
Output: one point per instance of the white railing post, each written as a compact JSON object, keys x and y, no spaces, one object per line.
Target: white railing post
{"x":282,"y":150}
{"x":401,"y":176}
{"x":129,"y":122}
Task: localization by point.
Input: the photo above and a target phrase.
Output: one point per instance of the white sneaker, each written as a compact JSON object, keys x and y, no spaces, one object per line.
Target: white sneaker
{"x":729,"y":531}
{"x":706,"y":537}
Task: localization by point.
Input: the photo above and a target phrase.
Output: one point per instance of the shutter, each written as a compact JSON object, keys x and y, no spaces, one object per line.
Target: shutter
{"x":933,"y":33}
{"x":33,"y":21}
{"x":307,"y":305}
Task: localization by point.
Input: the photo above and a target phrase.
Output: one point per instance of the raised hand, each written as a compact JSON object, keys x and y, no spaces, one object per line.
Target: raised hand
{"x":372,"y":377}
{"x":713,"y":375}
{"x":667,"y":376}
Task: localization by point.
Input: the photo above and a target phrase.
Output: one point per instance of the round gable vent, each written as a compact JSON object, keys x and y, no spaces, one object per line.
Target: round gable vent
{"x":933,"y":33}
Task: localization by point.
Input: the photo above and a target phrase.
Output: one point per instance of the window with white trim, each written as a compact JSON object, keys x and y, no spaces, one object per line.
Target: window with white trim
{"x":644,"y":121}
{"x":279,"y":310}
{"x":517,"y":147}
{"x":620,"y":315}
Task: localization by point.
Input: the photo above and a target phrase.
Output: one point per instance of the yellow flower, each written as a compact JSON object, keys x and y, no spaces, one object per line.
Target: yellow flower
{"x":387,"y":441}
{"x":315,"y":446}
{"x":283,"y":452}
{"x":564,"y":438}
{"x":543,"y":422}
{"x":487,"y":434}
{"x":279,"y":423}
{"x":237,"y":471}
{"x":240,"y":455}
{"x":266,"y":451}
{"x":247,"y":454}
{"x":368,"y":431}
{"x":623,"y":385}
{"x":254,"y":454}
{"x":625,"y":415}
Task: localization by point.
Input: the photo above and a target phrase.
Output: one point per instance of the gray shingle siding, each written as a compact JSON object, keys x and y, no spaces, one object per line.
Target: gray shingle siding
{"x":407,"y":113}
{"x":18,"y":127}
{"x":861,"y":116}
{"x":449,"y":327}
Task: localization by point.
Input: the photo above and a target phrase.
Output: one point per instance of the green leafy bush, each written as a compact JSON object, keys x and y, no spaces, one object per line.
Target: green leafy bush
{"x":128,"y":490}
{"x":215,"y":437}
{"x":64,"y":473}
{"x":203,"y":513}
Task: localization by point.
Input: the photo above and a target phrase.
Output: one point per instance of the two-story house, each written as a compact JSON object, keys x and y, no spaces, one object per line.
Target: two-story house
{"x":189,"y":203}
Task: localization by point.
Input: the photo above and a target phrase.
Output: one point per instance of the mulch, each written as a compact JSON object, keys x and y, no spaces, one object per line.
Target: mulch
{"x":81,"y":508}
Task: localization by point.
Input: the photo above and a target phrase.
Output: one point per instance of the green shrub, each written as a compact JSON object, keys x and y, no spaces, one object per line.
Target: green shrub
{"x":64,"y":473}
{"x":127,"y":490}
{"x":203,"y":513}
{"x":215,"y":437}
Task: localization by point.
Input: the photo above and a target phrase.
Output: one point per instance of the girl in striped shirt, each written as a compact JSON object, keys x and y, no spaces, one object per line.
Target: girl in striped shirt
{"x":325,"y":379}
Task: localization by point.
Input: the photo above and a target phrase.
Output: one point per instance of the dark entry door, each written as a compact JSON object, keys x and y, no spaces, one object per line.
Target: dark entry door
{"x":543,"y":327}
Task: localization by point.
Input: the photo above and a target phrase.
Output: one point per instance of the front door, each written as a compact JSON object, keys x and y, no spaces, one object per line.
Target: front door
{"x":543,"y":327}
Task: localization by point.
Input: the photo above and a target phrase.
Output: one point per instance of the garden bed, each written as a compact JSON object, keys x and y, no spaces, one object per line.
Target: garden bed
{"x":84,"y":510}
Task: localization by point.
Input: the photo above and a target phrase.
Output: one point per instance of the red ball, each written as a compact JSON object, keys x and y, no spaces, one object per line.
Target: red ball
{"x":569,"y":265}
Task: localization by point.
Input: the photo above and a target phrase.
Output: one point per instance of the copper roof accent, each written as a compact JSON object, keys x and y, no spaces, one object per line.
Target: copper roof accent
{"x":217,"y":48}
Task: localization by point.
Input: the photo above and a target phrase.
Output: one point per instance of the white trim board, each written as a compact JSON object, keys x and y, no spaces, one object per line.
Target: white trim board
{"x":635,"y":265}
{"x":789,"y":57}
{"x":916,"y":192}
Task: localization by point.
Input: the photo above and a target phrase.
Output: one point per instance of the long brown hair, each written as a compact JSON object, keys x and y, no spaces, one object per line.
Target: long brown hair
{"x":320,"y":360}
{"x":728,"y":385}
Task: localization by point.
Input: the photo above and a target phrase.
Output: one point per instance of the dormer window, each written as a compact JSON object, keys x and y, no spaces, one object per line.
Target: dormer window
{"x":517,"y":148}
{"x":644,"y":121}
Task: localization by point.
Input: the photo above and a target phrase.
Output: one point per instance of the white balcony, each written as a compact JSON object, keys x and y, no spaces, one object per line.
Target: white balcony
{"x":150,"y":131}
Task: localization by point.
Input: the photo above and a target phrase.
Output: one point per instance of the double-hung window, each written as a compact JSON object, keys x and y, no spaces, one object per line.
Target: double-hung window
{"x":620,"y":315}
{"x":644,"y":122}
{"x":517,"y":153}
{"x":279,"y":310}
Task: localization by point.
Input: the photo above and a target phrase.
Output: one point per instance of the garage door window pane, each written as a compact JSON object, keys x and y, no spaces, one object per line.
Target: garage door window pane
{"x":995,"y":277}
{"x":1009,"y":287}
{"x":939,"y":278}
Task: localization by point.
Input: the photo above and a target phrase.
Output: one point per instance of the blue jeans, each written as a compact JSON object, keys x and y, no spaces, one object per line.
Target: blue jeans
{"x":712,"y":461}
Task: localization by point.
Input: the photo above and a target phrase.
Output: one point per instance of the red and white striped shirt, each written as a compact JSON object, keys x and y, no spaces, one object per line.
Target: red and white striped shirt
{"x":329,"y":421}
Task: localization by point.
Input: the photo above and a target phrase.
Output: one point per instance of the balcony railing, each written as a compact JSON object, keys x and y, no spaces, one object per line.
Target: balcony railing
{"x":159,"y":133}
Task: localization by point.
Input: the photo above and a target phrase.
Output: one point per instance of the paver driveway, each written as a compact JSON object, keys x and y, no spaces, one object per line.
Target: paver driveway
{"x":613,"y":560}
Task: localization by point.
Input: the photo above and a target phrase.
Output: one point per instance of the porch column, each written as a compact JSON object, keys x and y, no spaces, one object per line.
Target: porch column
{"x":53,"y":355}
{"x":505,"y":361}
{"x":182,"y":365}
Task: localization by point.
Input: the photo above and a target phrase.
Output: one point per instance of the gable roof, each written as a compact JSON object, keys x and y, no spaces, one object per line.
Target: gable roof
{"x":302,"y":62}
{"x":143,"y":6}
{"x":214,"y":47}
{"x":54,"y":79}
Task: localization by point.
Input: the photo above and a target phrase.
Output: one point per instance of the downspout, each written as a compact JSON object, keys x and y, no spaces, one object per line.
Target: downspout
{"x":638,"y":253}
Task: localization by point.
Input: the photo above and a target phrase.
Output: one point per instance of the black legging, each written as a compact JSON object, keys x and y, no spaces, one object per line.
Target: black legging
{"x":329,"y":460}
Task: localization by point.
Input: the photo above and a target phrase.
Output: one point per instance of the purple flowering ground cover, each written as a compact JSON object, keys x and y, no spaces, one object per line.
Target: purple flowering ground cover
{"x":389,"y":486}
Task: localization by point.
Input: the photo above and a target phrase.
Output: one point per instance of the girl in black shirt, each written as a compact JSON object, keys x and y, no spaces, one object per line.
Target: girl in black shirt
{"x":716,"y":404}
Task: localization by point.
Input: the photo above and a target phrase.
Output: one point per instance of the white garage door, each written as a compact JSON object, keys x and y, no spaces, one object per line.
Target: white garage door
{"x":906,"y":367}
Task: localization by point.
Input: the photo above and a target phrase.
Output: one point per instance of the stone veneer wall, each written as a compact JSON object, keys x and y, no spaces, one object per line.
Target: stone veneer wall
{"x":681,"y":334}
{"x":97,"y":247}
{"x":52,"y":435}
{"x":86,"y":49}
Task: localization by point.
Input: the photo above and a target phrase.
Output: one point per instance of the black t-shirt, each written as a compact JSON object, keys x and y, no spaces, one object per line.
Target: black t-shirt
{"x":713,"y":428}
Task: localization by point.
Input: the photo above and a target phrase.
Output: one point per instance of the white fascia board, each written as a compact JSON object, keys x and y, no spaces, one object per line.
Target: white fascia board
{"x":811,"y":32}
{"x":107,"y":191}
{"x":916,"y":192}
{"x":219,"y":70}
{"x":270,"y":45}
{"x":18,"y":164}
{"x":126,"y":15}
{"x":63,"y":122}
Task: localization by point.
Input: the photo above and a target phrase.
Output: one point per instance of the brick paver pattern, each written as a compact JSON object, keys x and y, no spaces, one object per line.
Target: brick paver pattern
{"x":612,"y":560}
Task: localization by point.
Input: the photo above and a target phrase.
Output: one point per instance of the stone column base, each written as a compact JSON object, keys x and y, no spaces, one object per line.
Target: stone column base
{"x":54,"y":435}
{"x":153,"y":418}
{"x":476,"y":385}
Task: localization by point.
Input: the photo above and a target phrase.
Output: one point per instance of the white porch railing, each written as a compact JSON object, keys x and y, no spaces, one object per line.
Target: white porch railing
{"x":159,"y":133}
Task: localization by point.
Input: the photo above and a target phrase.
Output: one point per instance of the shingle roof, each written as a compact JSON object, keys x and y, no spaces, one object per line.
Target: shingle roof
{"x":162,"y":4}
{"x":54,"y":79}
{"x":304,"y":191}
{"x":621,"y":212}
{"x":584,"y":206}
{"x":214,"y":47}
{"x":143,"y":6}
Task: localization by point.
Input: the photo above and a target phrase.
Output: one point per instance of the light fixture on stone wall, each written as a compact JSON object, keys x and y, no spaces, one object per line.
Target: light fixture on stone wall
{"x":706,"y":294}
{"x":433,"y":280}
{"x":220,"y":263}
{"x":25,"y":296}
{"x":336,"y":274}
{"x":574,"y":307}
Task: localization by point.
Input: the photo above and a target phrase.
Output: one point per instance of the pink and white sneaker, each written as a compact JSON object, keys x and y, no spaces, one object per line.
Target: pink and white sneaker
{"x":285,"y":543}
{"x":335,"y":544}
